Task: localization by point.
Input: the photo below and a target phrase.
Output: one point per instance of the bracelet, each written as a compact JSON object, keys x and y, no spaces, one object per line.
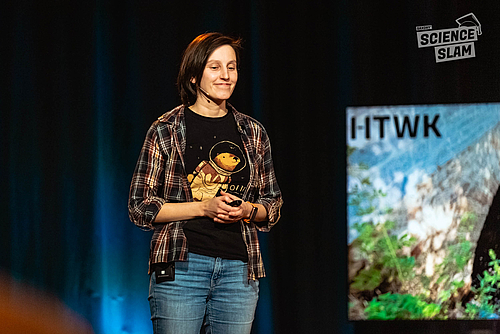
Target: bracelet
{"x":253,"y":213}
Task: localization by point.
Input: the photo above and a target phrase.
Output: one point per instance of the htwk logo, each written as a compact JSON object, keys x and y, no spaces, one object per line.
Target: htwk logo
{"x":404,"y":126}
{"x":454,"y":43}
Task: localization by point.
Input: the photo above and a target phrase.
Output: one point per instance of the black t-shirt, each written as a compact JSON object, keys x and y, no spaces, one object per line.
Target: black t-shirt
{"x":215,"y":160}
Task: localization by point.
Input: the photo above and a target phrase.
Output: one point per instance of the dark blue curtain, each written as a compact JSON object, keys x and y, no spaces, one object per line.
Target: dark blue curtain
{"x":82,"y":81}
{"x":81,"y":84}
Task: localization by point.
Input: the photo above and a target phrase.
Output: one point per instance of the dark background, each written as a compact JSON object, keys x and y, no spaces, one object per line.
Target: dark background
{"x":82,"y":81}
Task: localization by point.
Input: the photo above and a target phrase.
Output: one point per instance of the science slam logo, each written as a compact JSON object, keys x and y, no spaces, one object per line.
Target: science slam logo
{"x":454,"y":43}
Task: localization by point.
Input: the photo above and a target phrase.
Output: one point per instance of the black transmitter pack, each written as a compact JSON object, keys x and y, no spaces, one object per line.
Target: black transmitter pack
{"x":164,"y":271}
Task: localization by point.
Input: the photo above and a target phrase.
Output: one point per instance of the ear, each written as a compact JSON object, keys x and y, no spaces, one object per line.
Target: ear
{"x":193,"y":80}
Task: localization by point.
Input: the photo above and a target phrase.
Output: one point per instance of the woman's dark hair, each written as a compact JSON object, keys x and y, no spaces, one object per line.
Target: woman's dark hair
{"x":195,"y":58}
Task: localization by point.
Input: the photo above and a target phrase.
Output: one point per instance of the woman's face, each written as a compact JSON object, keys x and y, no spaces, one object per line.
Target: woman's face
{"x":220,"y":74}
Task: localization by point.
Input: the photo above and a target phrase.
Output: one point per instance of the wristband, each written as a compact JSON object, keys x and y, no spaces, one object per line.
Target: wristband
{"x":253,"y":213}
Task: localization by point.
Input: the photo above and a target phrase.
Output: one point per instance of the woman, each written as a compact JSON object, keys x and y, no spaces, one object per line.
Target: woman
{"x":205,"y":184}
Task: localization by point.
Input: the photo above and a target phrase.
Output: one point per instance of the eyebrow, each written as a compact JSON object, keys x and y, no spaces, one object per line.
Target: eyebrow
{"x":218,"y":61}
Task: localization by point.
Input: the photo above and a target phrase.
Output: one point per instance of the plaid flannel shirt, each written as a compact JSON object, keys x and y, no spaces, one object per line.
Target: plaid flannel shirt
{"x":160,"y":177}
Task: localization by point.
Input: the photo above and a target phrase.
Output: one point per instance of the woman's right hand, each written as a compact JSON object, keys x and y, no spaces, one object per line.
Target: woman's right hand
{"x":220,"y":211}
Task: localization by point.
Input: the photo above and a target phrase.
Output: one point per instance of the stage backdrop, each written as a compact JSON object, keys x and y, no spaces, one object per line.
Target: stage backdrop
{"x":81,"y":82}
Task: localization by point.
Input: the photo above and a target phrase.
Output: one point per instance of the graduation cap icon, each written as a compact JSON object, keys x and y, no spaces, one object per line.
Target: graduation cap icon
{"x":469,"y":20}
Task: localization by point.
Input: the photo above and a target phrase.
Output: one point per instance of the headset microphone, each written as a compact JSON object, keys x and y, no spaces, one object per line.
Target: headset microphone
{"x":206,"y":94}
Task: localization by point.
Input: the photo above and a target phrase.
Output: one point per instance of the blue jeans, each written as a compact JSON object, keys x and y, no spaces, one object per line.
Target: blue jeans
{"x":208,"y":294}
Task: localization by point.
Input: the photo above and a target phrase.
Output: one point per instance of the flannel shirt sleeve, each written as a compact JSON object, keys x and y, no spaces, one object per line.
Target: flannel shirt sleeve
{"x":144,"y":202}
{"x":269,"y":191}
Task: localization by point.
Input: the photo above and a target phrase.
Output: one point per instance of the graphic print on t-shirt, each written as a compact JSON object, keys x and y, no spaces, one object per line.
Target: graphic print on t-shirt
{"x":213,"y":175}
